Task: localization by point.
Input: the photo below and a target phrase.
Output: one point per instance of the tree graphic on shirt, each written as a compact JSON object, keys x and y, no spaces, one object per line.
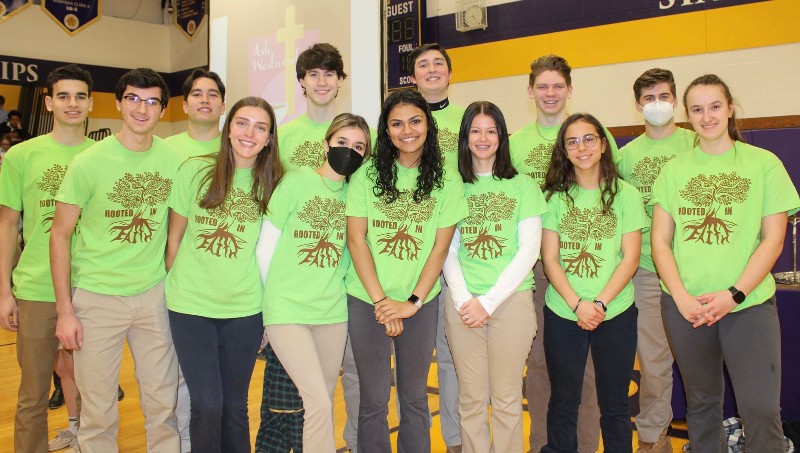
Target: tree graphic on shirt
{"x":713,"y":192}
{"x":406,"y":213}
{"x":485,"y":209}
{"x":587,"y":226}
{"x":326,"y":216}
{"x":50,"y":183}
{"x":309,"y":154}
{"x":238,"y":206}
{"x":646,"y":171}
{"x":539,"y":158}
{"x":138,"y":192}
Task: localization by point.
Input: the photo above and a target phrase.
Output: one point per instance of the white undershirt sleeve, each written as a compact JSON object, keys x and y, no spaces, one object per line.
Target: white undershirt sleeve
{"x":529,"y":238}
{"x":265,"y":247}
{"x":454,"y":275}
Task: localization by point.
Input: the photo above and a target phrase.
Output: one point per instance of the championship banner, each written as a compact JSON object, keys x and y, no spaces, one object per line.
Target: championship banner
{"x":10,"y":7}
{"x":72,"y":15}
{"x":189,"y":15}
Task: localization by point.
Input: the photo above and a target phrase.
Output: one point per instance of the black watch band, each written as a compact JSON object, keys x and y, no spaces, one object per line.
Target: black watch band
{"x":738,"y":296}
{"x":414,"y":299}
{"x":600,"y":304}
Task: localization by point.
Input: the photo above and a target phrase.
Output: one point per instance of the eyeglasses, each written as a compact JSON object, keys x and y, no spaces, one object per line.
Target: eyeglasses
{"x":590,"y":140}
{"x":134,"y":101}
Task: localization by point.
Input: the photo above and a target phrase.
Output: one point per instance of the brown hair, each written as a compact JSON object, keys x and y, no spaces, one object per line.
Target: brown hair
{"x":267,"y":170}
{"x":550,"y":63}
{"x":713,"y":79}
{"x":651,"y":78}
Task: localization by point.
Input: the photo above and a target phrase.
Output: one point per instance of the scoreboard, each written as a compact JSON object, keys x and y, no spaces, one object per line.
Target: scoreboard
{"x":402,"y":22}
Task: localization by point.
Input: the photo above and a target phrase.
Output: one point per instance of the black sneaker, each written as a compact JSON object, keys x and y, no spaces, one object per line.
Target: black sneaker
{"x":56,"y":399}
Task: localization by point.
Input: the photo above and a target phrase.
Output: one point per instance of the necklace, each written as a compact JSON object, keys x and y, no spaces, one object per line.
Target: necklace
{"x":322,"y":178}
{"x":539,"y":131}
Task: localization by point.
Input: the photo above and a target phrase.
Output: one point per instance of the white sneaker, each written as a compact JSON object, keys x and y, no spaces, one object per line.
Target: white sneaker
{"x":75,"y":447}
{"x":65,"y":438}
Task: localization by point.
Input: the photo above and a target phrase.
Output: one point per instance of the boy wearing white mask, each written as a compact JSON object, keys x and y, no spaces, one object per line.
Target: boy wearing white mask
{"x":639,"y":163}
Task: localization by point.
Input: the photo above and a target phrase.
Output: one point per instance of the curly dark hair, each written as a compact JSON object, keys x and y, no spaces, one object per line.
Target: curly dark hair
{"x":383,"y":171}
{"x":561,"y":173}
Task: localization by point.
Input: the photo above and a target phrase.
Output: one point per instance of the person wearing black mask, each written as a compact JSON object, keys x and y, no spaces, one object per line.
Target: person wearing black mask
{"x":303,"y":240}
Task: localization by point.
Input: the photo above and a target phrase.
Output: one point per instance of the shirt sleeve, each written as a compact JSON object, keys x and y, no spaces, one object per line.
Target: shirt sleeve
{"x":185,"y":188}
{"x":265,"y":247}
{"x":777,"y":181}
{"x":633,"y":215}
{"x":281,"y":203}
{"x":454,"y":275}
{"x":77,"y":186}
{"x":356,"y":193}
{"x":11,"y":180}
{"x":529,"y":237}
{"x":453,"y":204}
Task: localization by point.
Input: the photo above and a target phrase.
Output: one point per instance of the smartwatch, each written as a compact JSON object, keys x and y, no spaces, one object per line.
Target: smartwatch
{"x":600,"y":304}
{"x":414,"y":299}
{"x":738,"y":296}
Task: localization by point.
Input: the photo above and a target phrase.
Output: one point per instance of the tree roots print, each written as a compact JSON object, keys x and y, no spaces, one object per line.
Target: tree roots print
{"x":708,"y":230}
{"x":48,"y":220}
{"x":322,"y":253}
{"x":485,"y":246}
{"x":219,"y":242}
{"x":400,"y":245}
{"x":583,"y":264}
{"x":713,"y":192}
{"x":309,"y":154}
{"x":138,"y":229}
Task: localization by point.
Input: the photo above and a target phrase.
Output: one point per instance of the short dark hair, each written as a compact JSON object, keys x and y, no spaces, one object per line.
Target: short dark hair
{"x":201,"y":73}
{"x":2,"y":99}
{"x":320,"y":55}
{"x":651,"y":78}
{"x":502,"y":167}
{"x":550,"y":63}
{"x":415,"y":54}
{"x":68,"y":72}
{"x":143,"y":78}
{"x":14,"y":113}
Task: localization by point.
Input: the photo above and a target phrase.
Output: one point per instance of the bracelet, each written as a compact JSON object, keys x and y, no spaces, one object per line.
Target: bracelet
{"x":381,"y":300}
{"x":574,"y":310}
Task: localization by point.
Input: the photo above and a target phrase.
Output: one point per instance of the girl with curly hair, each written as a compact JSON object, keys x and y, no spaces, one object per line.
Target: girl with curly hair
{"x":590,"y":249}
{"x":402,"y":210}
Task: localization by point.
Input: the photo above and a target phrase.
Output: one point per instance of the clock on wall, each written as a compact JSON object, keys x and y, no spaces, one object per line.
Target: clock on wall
{"x":471,"y":15}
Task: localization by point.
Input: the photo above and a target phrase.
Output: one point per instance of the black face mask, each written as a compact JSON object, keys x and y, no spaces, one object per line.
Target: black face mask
{"x":344,"y":160}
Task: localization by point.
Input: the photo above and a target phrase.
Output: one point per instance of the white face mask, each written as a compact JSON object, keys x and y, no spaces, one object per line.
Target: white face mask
{"x":658,"y":113}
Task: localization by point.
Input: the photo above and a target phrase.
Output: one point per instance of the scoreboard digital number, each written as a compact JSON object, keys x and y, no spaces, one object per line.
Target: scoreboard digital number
{"x":402,"y":26}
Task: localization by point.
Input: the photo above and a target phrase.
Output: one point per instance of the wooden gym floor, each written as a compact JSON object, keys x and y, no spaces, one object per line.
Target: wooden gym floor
{"x":131,"y":430}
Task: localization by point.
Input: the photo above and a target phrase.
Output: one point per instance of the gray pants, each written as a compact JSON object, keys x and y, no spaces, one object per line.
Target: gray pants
{"x":748,"y":342}
{"x":372,"y":353}
{"x":448,"y":384}
{"x":655,"y":359}
{"x":537,"y":386}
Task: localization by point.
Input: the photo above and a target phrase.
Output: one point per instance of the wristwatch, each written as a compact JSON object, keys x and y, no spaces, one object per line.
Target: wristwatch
{"x":738,"y":296}
{"x":414,"y":299}
{"x":600,"y":304}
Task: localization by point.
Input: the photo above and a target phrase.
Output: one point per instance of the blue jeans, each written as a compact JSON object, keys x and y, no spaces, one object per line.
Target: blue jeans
{"x":566,"y":347}
{"x":217,"y":357}
{"x":413,"y":352}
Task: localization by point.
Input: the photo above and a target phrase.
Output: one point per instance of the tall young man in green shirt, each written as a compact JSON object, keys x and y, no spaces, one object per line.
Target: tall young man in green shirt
{"x":432,"y":74}
{"x":109,"y":287}
{"x":204,"y":104}
{"x":639,"y":163}
{"x":30,"y":178}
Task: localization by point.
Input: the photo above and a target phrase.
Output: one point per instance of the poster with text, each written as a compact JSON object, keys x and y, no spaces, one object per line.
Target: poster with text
{"x":10,"y":7}
{"x":72,"y":15}
{"x":189,"y":15}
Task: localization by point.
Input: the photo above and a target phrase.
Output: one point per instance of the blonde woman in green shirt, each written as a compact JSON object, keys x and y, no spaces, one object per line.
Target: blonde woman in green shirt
{"x":490,"y":320}
{"x":303,"y":240}
{"x":216,"y":207}
{"x":719,"y":220}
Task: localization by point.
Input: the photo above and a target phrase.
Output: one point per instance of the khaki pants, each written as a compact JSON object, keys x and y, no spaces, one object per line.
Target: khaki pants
{"x":655,"y":359}
{"x":312,"y":356}
{"x":489,"y":362}
{"x":37,"y":347}
{"x":537,"y":386}
{"x":107,"y":322}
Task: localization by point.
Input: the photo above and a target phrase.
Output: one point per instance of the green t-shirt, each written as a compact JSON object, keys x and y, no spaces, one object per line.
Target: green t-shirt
{"x":401,"y":234}
{"x":31,"y":175}
{"x":123,"y":225}
{"x":532,"y":145}
{"x":591,"y":244}
{"x":191,"y":147}
{"x":448,"y":124}
{"x":218,"y":247}
{"x":310,"y":212}
{"x":717,"y":203}
{"x":639,"y":163}
{"x":489,"y":233}
{"x":300,"y":143}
